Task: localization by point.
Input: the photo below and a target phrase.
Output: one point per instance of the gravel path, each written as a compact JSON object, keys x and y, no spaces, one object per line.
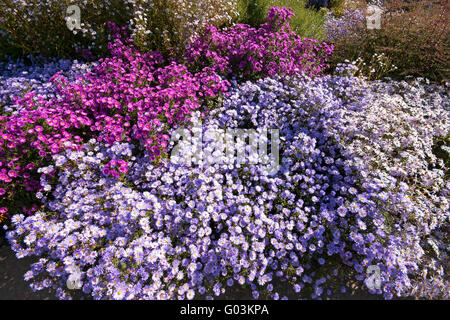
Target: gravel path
{"x":12,"y":284}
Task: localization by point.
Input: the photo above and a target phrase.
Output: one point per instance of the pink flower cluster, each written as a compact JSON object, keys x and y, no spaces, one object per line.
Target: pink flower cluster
{"x":278,"y":18}
{"x":134,"y":96}
{"x":268,"y":50}
{"x":27,"y":139}
{"x":115,"y":168}
{"x":129,"y":96}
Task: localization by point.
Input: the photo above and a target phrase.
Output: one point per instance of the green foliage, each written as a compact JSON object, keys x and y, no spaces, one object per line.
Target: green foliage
{"x":253,"y":12}
{"x":307,"y":22}
{"x":337,"y":6}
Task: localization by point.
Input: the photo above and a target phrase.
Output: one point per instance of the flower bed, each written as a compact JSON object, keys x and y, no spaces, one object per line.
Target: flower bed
{"x":362,"y":179}
{"x":174,"y":231}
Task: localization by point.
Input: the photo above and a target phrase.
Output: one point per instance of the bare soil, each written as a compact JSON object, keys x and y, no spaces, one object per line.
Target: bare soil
{"x":14,"y":287}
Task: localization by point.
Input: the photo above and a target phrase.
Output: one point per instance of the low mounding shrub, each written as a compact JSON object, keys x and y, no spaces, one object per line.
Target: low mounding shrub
{"x":414,"y":36}
{"x":129,"y":96}
{"x":268,"y":50}
{"x":358,"y":185}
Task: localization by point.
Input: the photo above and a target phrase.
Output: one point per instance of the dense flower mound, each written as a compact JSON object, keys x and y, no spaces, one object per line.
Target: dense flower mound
{"x":393,"y":138}
{"x":268,"y":50}
{"x":339,"y":202}
{"x":133,"y":95}
{"x":129,"y":96}
{"x":168,"y":232}
{"x":386,"y":132}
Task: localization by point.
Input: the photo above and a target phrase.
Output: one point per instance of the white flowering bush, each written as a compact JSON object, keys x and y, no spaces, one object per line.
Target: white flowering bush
{"x":376,"y":68}
{"x":39,"y":27}
{"x":170,"y":24}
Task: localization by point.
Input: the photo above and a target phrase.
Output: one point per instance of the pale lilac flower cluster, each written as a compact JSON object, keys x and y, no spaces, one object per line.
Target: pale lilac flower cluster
{"x":392,"y":138}
{"x":344,"y":26}
{"x":17,"y":78}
